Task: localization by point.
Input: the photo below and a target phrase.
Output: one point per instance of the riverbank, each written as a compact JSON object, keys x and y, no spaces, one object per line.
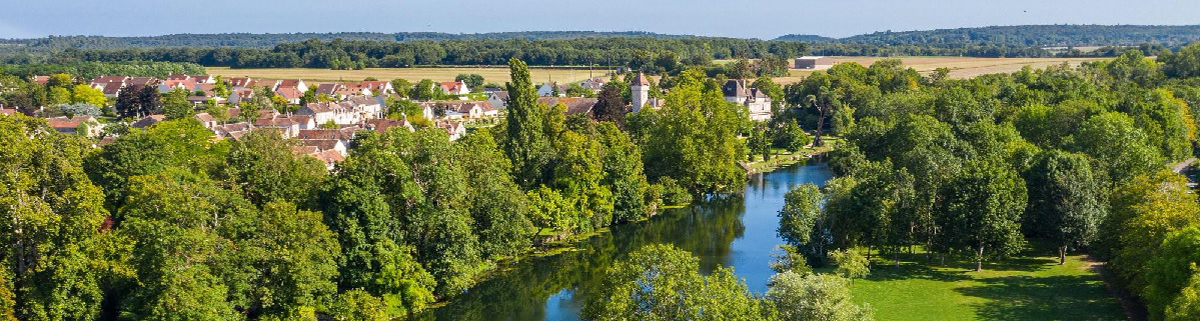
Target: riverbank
{"x":782,"y":158}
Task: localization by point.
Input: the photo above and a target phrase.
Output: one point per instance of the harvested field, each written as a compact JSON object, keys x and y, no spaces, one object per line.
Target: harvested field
{"x":960,"y":67}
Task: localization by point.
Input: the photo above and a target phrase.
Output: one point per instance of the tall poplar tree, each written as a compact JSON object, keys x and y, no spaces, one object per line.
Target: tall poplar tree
{"x":527,"y":144}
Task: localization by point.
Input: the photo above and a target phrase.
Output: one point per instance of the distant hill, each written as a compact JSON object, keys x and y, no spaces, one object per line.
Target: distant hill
{"x":251,"y":40}
{"x":1026,"y":36}
{"x":807,"y":38}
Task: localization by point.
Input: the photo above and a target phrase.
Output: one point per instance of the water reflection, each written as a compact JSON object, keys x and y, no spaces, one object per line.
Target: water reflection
{"x":736,"y":231}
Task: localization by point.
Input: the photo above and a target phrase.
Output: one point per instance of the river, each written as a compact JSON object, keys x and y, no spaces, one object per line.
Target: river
{"x":737,"y":232}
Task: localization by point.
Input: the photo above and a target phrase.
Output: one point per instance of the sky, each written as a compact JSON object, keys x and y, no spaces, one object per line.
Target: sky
{"x":765,"y":19}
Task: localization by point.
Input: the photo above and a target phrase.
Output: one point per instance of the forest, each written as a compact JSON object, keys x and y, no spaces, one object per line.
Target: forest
{"x":983,"y":170}
{"x":1023,"y":36}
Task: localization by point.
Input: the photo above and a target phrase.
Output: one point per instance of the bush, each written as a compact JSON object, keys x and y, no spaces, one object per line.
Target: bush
{"x":673,"y":193}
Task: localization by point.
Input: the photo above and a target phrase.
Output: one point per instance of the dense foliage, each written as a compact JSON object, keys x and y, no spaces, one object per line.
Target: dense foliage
{"x":168,"y":223}
{"x":1069,"y":159}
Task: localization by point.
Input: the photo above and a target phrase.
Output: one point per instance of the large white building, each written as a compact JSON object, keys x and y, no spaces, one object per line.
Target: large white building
{"x":639,"y":92}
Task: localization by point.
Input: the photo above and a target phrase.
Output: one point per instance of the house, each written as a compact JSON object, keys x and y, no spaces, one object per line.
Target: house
{"x":177,"y":77}
{"x":204,"y":79}
{"x":305,"y":121}
{"x":290,"y":94}
{"x":475,"y":110}
{"x":234,"y":130}
{"x":142,"y":81}
{"x":498,"y":99}
{"x":383,"y":124}
{"x":327,"y":144}
{"x":330,"y":158}
{"x":338,"y":113}
{"x":575,"y":105}
{"x":240,"y":82}
{"x":148,"y":121}
{"x":104,"y":80}
{"x":112,"y":89}
{"x":813,"y":62}
{"x":41,"y":80}
{"x":381,"y":87}
{"x":285,"y":125}
{"x":547,"y":89}
{"x":207,"y":120}
{"x":337,"y":134}
{"x":73,"y":125}
{"x":8,"y":111}
{"x":329,"y":89}
{"x":238,"y":95}
{"x":367,"y":107}
{"x":291,"y":83}
{"x":594,"y":84}
{"x":455,"y":88}
{"x":172,"y":85}
{"x":455,"y":129}
{"x":757,"y":101}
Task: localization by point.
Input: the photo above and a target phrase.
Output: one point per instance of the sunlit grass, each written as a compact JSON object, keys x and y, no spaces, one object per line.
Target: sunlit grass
{"x":1026,"y":288}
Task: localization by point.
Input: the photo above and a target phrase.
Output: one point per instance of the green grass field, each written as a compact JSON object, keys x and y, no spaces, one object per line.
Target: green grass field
{"x":1029,"y":288}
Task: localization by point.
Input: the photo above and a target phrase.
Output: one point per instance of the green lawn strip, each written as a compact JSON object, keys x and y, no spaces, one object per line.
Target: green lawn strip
{"x":1030,"y":288}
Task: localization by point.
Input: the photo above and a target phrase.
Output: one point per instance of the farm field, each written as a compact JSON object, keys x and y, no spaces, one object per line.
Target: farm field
{"x":498,"y":75}
{"x":1023,"y":288}
{"x":960,"y":67}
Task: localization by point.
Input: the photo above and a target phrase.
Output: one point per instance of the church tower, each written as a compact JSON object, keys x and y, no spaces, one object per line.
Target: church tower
{"x":639,"y":92}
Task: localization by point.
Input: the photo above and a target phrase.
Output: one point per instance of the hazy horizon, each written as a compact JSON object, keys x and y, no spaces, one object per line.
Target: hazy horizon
{"x":750,"y":19}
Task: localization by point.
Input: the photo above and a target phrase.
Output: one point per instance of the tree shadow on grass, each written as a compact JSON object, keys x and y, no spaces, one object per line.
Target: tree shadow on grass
{"x":1067,"y":297}
{"x":910,"y":270}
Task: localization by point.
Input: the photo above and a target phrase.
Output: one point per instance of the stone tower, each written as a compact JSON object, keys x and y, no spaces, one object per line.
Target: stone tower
{"x":639,"y":92}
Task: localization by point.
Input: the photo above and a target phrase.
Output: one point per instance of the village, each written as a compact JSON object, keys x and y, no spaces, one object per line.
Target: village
{"x":327,"y":126}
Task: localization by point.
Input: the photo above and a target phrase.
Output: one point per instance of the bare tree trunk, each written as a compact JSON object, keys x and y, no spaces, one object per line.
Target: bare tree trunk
{"x":979,"y":260}
{"x":820,"y":125}
{"x":1062,"y":255}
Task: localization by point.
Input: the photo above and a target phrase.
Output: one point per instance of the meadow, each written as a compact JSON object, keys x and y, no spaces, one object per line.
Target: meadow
{"x":1024,"y":288}
{"x":498,"y":75}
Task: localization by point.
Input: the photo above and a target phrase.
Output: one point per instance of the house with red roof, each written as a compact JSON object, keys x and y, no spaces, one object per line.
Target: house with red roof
{"x":455,"y":88}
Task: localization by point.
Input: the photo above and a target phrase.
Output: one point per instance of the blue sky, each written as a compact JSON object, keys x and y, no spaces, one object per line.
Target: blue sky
{"x":748,"y":19}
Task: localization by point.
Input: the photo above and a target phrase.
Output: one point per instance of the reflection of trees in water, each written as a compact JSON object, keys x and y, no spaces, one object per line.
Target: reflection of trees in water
{"x":707,"y":230}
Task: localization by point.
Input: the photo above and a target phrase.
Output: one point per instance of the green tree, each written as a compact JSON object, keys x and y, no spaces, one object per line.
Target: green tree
{"x":402,"y":87}
{"x":621,"y":160}
{"x":693,"y":139}
{"x":526,"y":145}
{"x":85,"y":94}
{"x":52,"y":216}
{"x":661,"y":282}
{"x":801,"y":209}
{"x":254,"y":163}
{"x":1118,"y":146}
{"x":358,"y":305}
{"x":801,"y":297}
{"x":1187,"y":305}
{"x":1066,"y":202}
{"x":981,"y":211}
{"x":497,"y":204}
{"x":176,"y":105}
{"x":850,"y":264}
{"x":472,"y":80}
{"x":1169,"y":271}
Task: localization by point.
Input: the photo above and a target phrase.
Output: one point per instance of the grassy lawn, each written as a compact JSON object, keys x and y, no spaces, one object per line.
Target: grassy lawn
{"x":781,"y":157}
{"x":1029,"y":288}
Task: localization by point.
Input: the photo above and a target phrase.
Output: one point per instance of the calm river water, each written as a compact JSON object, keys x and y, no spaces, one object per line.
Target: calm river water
{"x":738,"y":232}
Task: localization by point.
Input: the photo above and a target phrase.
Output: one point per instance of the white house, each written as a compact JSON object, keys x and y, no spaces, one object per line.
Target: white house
{"x":758,"y":103}
{"x":455,"y":88}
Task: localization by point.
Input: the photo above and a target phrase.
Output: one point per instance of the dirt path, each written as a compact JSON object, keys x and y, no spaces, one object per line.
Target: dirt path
{"x":1134,"y":309}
